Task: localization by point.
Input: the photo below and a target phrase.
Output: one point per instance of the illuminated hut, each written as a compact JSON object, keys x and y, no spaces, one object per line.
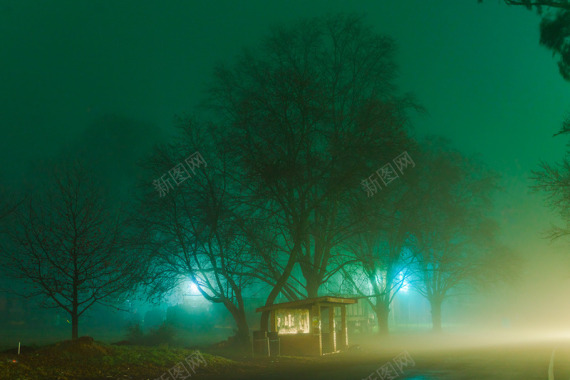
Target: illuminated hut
{"x":314,"y":326}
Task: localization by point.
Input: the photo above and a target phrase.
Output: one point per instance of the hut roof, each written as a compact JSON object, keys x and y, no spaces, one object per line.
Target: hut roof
{"x":307,"y":303}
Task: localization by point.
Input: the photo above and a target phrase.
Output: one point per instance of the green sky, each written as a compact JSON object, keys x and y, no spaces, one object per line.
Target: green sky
{"x":477,"y":68}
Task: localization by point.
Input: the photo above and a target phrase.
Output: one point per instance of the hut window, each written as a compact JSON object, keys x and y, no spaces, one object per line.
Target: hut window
{"x":292,"y":321}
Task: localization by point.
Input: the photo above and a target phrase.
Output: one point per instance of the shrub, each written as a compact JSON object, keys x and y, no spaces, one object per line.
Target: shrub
{"x":163,"y":335}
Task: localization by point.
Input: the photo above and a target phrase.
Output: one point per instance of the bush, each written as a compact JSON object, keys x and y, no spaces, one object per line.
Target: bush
{"x":164,"y":334}
{"x":135,"y":334}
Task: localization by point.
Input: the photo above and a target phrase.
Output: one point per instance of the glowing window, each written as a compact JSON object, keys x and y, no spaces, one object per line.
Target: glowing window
{"x":292,"y":321}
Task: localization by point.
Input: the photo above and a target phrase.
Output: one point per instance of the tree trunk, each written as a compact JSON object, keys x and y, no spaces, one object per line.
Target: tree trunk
{"x":238,"y":314}
{"x":264,"y":322}
{"x":314,"y":267}
{"x":435,"y":304}
{"x":74,"y":312}
{"x":241,"y":322}
{"x":74,"y":325}
{"x":243,"y":331}
{"x":382,"y":313}
{"x":313,"y":285}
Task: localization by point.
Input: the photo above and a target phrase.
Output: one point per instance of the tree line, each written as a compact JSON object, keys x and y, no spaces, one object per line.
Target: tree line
{"x":308,"y":162}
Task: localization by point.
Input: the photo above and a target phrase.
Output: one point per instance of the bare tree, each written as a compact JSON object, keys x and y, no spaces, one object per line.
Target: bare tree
{"x":70,"y":248}
{"x":453,"y":237}
{"x":539,"y":4}
{"x":378,"y":244}
{"x":554,"y":179}
{"x":309,"y":115}
{"x":554,"y":31}
{"x":554,"y":182}
{"x":197,"y":227}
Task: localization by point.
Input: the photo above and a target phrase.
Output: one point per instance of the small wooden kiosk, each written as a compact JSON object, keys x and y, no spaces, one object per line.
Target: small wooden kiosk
{"x":307,"y":327}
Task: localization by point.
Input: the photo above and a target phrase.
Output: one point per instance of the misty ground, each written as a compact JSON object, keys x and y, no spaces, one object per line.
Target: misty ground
{"x":494,"y":355}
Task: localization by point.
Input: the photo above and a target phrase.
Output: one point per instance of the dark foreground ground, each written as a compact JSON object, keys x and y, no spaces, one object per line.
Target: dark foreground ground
{"x":474,"y":356}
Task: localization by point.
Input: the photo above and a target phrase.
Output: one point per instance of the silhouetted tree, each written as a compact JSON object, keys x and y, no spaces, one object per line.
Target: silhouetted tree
{"x":196,"y":225}
{"x":379,"y":244}
{"x":540,"y":4}
{"x":309,"y":115}
{"x":553,"y":180}
{"x":452,"y":236}
{"x":554,"y":28}
{"x":70,"y":248}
